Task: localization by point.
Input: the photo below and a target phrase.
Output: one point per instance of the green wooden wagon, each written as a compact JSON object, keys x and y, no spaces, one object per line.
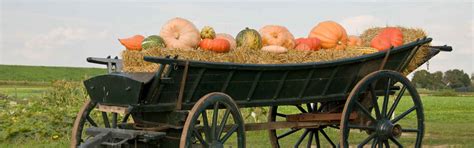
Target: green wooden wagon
{"x":196,"y":104}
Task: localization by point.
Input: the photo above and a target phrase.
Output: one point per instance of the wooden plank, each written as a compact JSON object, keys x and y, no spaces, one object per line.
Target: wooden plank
{"x":306,"y":117}
{"x":112,"y":109}
{"x":280,"y":85}
{"x":333,"y":74}
{"x":195,"y":85}
{"x":277,"y":125}
{"x":227,"y":81}
{"x":254,"y":85}
{"x":306,"y":83}
{"x":283,"y":124}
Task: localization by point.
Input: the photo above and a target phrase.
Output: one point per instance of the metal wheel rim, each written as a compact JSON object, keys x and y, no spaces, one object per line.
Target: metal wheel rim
{"x":204,"y":102}
{"x":385,"y":141}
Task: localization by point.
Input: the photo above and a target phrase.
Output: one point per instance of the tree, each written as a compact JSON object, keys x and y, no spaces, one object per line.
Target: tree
{"x":425,"y":79}
{"x":456,"y":78}
{"x":420,"y":79}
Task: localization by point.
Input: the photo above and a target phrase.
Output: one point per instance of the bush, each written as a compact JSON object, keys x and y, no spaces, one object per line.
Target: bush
{"x":50,"y":116}
{"x":445,"y":93}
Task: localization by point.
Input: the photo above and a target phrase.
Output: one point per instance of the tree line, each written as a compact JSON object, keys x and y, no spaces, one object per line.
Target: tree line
{"x":454,"y":79}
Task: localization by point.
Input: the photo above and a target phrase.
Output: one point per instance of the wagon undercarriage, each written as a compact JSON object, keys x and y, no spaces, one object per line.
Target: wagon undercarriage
{"x":190,"y":103}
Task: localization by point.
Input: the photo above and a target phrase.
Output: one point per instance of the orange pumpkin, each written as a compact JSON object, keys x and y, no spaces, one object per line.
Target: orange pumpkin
{"x":180,"y":33}
{"x":303,"y":47}
{"x":133,"y":43}
{"x":313,"y":43}
{"x":354,"y":41}
{"x":277,"y":35}
{"x":217,"y":45}
{"x":390,"y":36}
{"x":228,"y":37}
{"x":331,"y":34}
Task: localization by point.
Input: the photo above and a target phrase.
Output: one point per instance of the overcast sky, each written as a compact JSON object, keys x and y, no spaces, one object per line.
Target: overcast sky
{"x":64,"y":33}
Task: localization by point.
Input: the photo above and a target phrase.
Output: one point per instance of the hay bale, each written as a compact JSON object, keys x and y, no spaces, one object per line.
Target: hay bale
{"x":133,"y":60}
{"x":409,"y":35}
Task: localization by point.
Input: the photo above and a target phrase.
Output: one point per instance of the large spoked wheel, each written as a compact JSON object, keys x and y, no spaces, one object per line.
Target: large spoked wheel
{"x":90,"y":116}
{"x":282,"y":137}
{"x":205,"y":129}
{"x":393,"y":119}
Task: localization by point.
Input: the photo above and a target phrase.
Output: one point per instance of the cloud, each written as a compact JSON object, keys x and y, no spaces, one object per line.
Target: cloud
{"x":45,"y":46}
{"x":356,"y":24}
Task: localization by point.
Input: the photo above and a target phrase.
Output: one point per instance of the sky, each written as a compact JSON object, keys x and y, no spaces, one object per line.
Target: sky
{"x":66,"y":32}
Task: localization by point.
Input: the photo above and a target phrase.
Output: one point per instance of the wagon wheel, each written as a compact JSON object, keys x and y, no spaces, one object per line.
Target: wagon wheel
{"x":383,"y":128}
{"x":318,"y":136}
{"x":198,"y":130}
{"x":89,"y":116}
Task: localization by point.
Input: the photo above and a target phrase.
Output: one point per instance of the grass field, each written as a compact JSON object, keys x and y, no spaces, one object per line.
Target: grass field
{"x":15,"y":73}
{"x":448,"y":120}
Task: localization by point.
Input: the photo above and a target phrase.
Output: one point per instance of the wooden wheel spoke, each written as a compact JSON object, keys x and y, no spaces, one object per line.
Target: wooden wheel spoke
{"x":125,"y":118}
{"x":199,"y":137}
{"x":316,"y":138}
{"x":297,"y":144}
{"x":386,"y":97}
{"x":396,"y":101}
{"x":375,"y":142}
{"x":371,"y":128}
{"x":364,"y":110}
{"x":401,"y":116}
{"x":288,"y":133}
{"x":410,"y":130}
{"x":396,"y":142}
{"x":309,"y":108}
{"x":366,"y":140}
{"x":374,"y":101}
{"x":327,"y":137}
{"x":386,"y":144}
{"x":205,"y":123}
{"x":114,"y":120}
{"x":310,"y":139}
{"x":91,"y":121}
{"x":215,"y":114}
{"x":106,"y":119}
{"x":281,"y":115}
{"x":333,"y":126}
{"x":223,"y":122}
{"x":301,"y":109}
{"x":229,"y":133}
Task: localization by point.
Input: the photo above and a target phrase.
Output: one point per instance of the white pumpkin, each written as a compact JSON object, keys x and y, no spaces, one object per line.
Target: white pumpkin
{"x":275,"y":49}
{"x":180,"y":33}
{"x":229,"y":38}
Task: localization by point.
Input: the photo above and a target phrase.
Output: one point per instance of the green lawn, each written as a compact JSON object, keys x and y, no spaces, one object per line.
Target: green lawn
{"x":15,"y":73}
{"x":448,"y":120}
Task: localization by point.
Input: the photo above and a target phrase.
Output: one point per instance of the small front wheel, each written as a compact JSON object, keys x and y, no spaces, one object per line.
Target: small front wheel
{"x":206,"y":129}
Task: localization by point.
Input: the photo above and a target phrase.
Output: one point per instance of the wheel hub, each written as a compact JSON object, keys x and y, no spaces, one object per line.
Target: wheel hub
{"x":386,"y":129}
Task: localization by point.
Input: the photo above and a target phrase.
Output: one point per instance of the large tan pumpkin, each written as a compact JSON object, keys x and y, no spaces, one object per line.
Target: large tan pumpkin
{"x":229,"y":38}
{"x":331,"y":34}
{"x":180,"y":33}
{"x":277,"y":35}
